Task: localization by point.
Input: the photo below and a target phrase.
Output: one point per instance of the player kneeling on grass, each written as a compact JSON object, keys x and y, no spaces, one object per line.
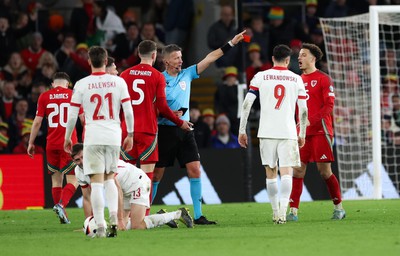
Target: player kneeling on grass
{"x":133,"y":196}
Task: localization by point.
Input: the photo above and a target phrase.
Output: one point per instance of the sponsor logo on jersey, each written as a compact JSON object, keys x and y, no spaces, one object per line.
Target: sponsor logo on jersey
{"x":331,"y":88}
{"x":182,"y":84}
{"x":313,"y":83}
{"x":323,"y":157}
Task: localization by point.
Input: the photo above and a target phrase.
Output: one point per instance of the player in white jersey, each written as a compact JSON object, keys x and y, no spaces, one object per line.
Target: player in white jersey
{"x":101,"y":96}
{"x":279,"y":90}
{"x":134,"y":189}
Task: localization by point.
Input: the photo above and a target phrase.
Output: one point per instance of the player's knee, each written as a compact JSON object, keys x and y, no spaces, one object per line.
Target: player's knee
{"x":299,"y":172}
{"x":325,"y":174}
{"x":138,"y":225}
{"x":157,"y":176}
{"x":194,"y":173}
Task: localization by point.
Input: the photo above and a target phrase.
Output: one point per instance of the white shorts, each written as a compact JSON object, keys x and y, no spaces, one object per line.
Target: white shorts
{"x":284,"y":150}
{"x":140,"y":195}
{"x":100,"y":159}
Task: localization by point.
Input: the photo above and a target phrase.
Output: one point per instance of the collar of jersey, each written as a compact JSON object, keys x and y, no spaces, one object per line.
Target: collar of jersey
{"x":279,"y":68}
{"x":98,"y":73}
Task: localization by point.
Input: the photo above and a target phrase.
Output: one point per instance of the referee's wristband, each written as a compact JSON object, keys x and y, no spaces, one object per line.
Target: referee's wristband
{"x":227,"y":47}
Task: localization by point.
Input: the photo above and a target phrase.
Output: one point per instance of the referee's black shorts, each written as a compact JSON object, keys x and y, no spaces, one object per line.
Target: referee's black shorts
{"x":173,"y":142}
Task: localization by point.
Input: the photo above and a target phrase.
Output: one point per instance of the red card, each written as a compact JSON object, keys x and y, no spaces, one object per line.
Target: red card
{"x":246,"y":38}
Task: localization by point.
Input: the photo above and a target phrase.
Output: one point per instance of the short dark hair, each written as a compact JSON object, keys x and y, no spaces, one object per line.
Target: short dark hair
{"x":97,"y":55}
{"x":146,"y":47}
{"x":314,"y":50}
{"x":76,"y":149}
{"x":281,"y":52}
{"x":170,"y":49}
{"x":61,"y":75}
{"x":110,"y":61}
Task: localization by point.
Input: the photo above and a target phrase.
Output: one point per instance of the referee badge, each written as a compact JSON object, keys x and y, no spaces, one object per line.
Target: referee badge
{"x":182,"y":84}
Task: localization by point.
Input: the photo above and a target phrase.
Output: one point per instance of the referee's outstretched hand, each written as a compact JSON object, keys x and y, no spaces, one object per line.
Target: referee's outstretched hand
{"x":238,"y":38}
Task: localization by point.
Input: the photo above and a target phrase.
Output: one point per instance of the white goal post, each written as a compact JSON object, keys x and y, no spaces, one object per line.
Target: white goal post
{"x":363,"y":54}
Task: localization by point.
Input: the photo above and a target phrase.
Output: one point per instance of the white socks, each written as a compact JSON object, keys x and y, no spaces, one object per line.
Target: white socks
{"x":338,"y":206}
{"x":286,"y":189}
{"x":97,"y":199}
{"x":111,"y":191}
{"x":279,"y":204}
{"x":156,"y":220}
{"x":272,"y":190}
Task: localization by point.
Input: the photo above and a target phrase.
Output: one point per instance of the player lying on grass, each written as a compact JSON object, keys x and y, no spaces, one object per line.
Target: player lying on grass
{"x":134,"y":188}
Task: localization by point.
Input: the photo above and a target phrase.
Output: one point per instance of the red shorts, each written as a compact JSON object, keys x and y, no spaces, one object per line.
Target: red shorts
{"x":59,"y":161}
{"x":144,"y":148}
{"x":318,"y":148}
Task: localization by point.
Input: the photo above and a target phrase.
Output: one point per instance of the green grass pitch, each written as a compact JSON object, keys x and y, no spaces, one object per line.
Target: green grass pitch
{"x":372,"y":227}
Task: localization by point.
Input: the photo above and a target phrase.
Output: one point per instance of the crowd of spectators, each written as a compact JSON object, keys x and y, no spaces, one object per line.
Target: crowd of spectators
{"x":36,"y":41}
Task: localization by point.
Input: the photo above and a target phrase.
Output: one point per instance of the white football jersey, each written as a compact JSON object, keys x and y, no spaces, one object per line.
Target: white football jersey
{"x":279,"y":89}
{"x":129,"y":177}
{"x":101,"y":96}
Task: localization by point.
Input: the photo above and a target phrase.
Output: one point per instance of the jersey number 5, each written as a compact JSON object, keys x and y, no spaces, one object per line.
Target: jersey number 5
{"x":279,"y":94}
{"x":98,"y":100}
{"x":136,"y":89}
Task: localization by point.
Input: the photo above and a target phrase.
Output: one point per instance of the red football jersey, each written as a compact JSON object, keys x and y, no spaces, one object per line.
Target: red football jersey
{"x":145,"y":86}
{"x":53,"y":105}
{"x":320,"y":102}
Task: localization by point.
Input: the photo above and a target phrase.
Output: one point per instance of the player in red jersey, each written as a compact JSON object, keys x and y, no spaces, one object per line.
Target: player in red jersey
{"x":319,"y":136}
{"x":53,"y":105}
{"x":146,"y":87}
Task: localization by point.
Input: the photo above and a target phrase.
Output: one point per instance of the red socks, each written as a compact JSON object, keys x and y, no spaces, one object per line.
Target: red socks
{"x":150,"y":175}
{"x":297,"y":189}
{"x":67,"y":192}
{"x":56,"y":193}
{"x":334,"y":189}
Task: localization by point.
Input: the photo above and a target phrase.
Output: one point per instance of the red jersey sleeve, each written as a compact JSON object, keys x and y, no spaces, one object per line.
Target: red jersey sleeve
{"x":41,"y":106}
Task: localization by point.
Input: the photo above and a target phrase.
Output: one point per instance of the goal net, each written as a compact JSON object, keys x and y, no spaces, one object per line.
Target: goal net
{"x":368,"y":145}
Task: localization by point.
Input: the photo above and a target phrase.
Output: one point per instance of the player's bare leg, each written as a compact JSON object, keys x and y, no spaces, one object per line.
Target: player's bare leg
{"x":333,"y":186}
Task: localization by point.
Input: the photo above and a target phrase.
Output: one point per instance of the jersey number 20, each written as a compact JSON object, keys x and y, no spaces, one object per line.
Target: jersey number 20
{"x":60,"y":111}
